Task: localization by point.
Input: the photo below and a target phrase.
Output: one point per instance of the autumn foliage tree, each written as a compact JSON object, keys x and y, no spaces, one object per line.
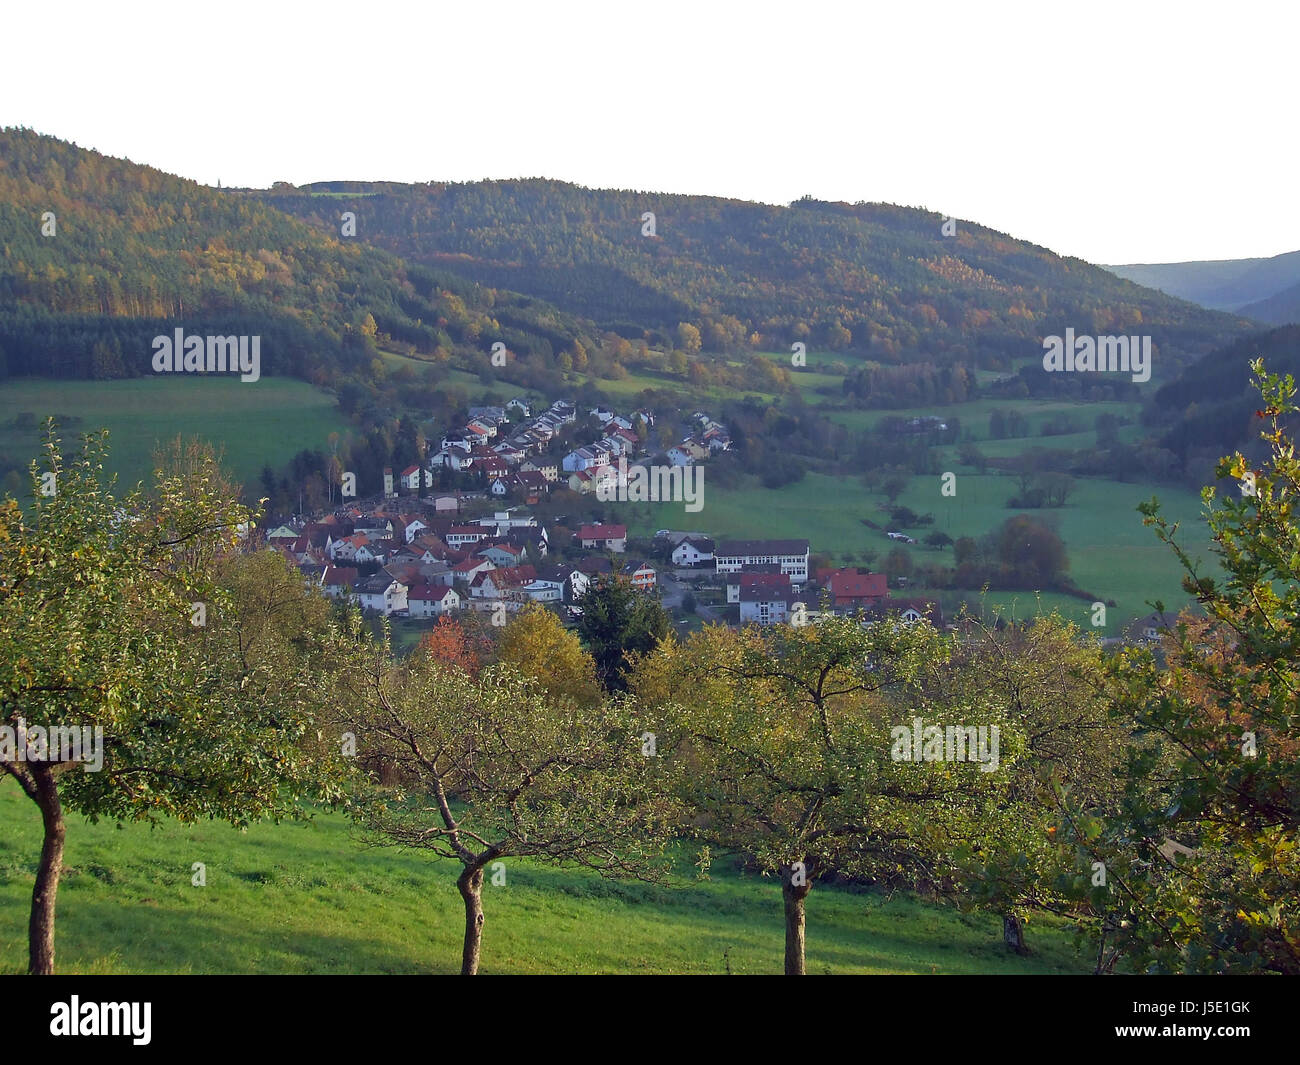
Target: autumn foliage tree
{"x":1204,"y":853}
{"x":449,"y":644}
{"x":537,"y":644}
{"x":778,"y":742}
{"x":493,"y":766}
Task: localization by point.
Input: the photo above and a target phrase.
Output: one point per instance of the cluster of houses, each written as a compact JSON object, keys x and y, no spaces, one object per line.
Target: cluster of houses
{"x":417,"y":557}
{"x":504,"y":445}
{"x":426,"y":564}
{"x":516,"y":451}
{"x":708,"y":436}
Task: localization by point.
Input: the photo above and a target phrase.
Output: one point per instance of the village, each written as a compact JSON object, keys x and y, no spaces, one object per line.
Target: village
{"x":420,"y":553}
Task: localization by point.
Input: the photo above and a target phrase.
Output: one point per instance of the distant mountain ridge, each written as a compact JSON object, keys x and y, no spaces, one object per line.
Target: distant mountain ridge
{"x":874,"y":281}
{"x":1264,"y":289}
{"x":561,"y":275}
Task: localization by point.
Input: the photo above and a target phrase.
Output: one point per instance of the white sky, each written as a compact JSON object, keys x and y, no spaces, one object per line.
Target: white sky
{"x":1138,"y":131}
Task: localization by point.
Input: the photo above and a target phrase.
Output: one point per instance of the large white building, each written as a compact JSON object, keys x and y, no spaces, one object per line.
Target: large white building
{"x":732,"y":556}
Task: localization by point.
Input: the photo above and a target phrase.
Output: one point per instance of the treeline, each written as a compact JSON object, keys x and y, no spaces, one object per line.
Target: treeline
{"x":914,"y":385}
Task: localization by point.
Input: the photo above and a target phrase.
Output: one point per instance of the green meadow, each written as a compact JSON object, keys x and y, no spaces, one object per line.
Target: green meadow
{"x":306,"y":897}
{"x":974,"y":417}
{"x":1112,"y":554}
{"x":255,"y":423}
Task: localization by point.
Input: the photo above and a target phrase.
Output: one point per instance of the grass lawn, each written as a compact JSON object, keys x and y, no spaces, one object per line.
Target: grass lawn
{"x":267,"y":421}
{"x":306,"y":898}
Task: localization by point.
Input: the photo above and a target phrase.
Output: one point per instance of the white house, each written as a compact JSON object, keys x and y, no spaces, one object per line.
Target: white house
{"x":764,"y":598}
{"x":410,"y":478}
{"x":545,"y":590}
{"x":691,"y":552}
{"x":381,"y":593}
{"x":586,"y":457}
{"x":557,"y":583}
{"x":432,"y":600}
{"x":461,"y":535}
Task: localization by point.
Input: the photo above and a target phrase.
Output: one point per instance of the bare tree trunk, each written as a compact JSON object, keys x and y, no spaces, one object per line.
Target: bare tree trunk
{"x":470,"y":885}
{"x":793,"y":895}
{"x":1013,"y":934}
{"x":40,"y":929}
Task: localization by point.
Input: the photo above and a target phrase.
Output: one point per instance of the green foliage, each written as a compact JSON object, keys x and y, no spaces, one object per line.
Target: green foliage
{"x":781,"y":740}
{"x":494,"y":766}
{"x":1215,"y":763}
{"x":96,"y":630}
{"x":1052,"y":680}
{"x":618,"y":620}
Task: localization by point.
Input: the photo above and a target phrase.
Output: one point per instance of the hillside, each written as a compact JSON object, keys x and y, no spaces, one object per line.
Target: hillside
{"x":1245,"y":286}
{"x":1208,"y":410}
{"x":1281,"y":308}
{"x":306,"y":898}
{"x":102,"y":254}
{"x":870,"y":281}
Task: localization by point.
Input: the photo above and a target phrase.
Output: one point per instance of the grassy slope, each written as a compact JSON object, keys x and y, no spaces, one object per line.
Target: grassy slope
{"x":266,"y":421}
{"x":305,"y":898}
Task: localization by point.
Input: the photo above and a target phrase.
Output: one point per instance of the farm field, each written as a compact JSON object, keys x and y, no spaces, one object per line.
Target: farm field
{"x":975,"y":415}
{"x":1111,"y":553}
{"x":257,"y":423}
{"x":307,"y":898}
{"x":638,"y":381}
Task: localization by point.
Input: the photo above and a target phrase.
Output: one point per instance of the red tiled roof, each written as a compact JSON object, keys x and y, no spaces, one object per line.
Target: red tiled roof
{"x":427,"y":593}
{"x":767,"y":582}
{"x":343,"y":576}
{"x":849,"y":584}
{"x":603,"y":532}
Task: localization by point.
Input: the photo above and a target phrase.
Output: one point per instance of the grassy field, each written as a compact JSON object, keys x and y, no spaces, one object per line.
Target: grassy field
{"x":306,"y":898}
{"x":975,"y":416}
{"x":1111,"y":553}
{"x":262,"y":422}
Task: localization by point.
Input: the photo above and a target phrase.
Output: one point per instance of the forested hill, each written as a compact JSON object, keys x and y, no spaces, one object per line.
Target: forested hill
{"x":126,"y":252}
{"x":878,"y":281}
{"x":1209,"y":410}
